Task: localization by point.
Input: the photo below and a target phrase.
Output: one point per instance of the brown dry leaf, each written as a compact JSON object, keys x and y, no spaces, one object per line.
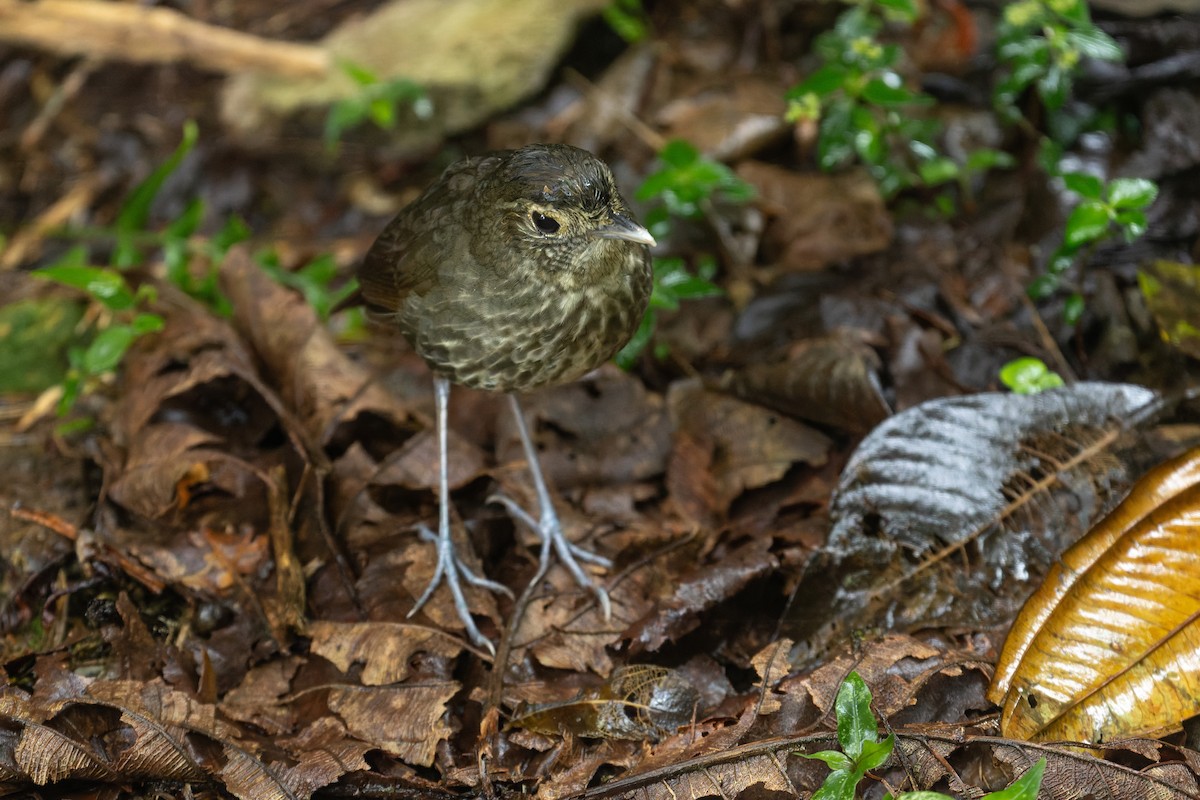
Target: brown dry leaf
{"x":1109,"y":646}
{"x":730,"y":121}
{"x":317,"y":381}
{"x":832,"y":380}
{"x":258,"y":699}
{"x":324,"y":753}
{"x":818,"y":219}
{"x":385,"y":649}
{"x":745,"y":446}
{"x":607,"y":429}
{"x":405,"y":721}
{"x":698,"y":591}
{"x":415,"y":465}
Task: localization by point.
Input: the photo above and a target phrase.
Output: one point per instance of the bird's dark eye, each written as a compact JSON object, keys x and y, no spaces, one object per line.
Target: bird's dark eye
{"x":544,"y":224}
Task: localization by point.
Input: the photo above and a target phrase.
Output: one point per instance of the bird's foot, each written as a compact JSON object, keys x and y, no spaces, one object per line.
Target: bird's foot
{"x":569,"y":554}
{"x":453,"y":570}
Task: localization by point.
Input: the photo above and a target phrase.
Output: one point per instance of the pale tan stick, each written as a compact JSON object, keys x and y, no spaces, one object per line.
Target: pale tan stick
{"x":131,"y":32}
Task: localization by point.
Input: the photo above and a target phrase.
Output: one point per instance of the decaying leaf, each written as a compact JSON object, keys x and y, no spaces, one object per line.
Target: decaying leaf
{"x":1109,"y":646}
{"x":384,"y":648}
{"x":637,"y":702}
{"x":948,"y":512}
{"x":832,"y":380}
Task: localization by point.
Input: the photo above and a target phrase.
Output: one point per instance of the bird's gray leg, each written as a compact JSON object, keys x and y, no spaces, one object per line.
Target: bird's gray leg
{"x":449,"y":565}
{"x":548,"y":526}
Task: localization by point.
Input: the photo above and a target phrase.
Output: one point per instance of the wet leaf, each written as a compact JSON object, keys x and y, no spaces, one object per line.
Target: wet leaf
{"x":1108,"y":646}
{"x":832,"y":380}
{"x":965,"y":497}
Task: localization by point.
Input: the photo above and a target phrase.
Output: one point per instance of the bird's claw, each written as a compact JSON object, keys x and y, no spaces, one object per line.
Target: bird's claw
{"x":569,"y":553}
{"x":451,"y":569}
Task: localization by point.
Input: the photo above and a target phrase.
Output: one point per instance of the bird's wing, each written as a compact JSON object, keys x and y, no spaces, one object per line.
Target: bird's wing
{"x":405,"y":258}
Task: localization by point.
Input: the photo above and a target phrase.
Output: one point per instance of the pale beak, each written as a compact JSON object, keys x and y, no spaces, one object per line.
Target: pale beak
{"x":622,"y":227}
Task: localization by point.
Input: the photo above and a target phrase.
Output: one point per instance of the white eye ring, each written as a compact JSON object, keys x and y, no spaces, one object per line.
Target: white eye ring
{"x":544,"y":223}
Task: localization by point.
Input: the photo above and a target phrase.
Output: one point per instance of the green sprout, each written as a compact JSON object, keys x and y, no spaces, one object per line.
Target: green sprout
{"x":376,"y":101}
{"x":862,"y":751}
{"x":687,"y":186}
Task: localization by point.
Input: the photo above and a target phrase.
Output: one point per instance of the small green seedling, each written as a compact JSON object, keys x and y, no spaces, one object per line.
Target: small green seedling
{"x":862,"y":751}
{"x":685,"y":187}
{"x":1029,"y":376}
{"x":314,"y":280}
{"x":858,"y":734}
{"x":377,"y":101}
{"x":120,"y":323}
{"x":1040,"y":45}
{"x":1118,"y":206}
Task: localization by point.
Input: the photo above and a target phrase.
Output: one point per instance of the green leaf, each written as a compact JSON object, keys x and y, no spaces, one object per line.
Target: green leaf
{"x":107,"y":349}
{"x":986,"y":158}
{"x":1073,"y":308}
{"x":358,"y":73}
{"x":1053,"y":87}
{"x":937,"y":171}
{"x":1029,"y":376}
{"x":343,"y":115}
{"x":678,"y":153}
{"x":874,"y":754}
{"x":136,"y":209}
{"x":1088,"y":223}
{"x":834,"y":759}
{"x":1095,"y":43}
{"x":899,"y":10}
{"x":104,"y":285}
{"x":1132,"y":223}
{"x":881,"y":93}
{"x":838,"y":785}
{"x":1043,"y":286}
{"x":1087,"y":186}
{"x":825,"y":81}
{"x":1131,"y":192}
{"x":146,"y":323}
{"x":855,"y":722}
{"x":1025,"y":787}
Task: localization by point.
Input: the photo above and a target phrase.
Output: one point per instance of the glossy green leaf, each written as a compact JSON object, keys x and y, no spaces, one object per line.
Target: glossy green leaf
{"x":1135,"y":193}
{"x":937,"y":171}
{"x":1095,"y":43}
{"x":1029,"y":376}
{"x":104,"y":285}
{"x":882,"y":93}
{"x":855,"y":722}
{"x":839,"y":785}
{"x":107,"y":349}
{"x":1081,"y":183}
{"x":1088,"y":222}
{"x":825,"y":81}
{"x":1025,"y":787}
{"x":874,"y":754}
{"x":834,"y":759}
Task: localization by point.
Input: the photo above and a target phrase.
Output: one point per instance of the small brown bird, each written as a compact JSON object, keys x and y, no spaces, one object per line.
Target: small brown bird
{"x":513,"y":271}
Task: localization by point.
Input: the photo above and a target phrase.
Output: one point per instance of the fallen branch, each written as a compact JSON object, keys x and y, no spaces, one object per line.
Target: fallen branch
{"x":130,"y":32}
